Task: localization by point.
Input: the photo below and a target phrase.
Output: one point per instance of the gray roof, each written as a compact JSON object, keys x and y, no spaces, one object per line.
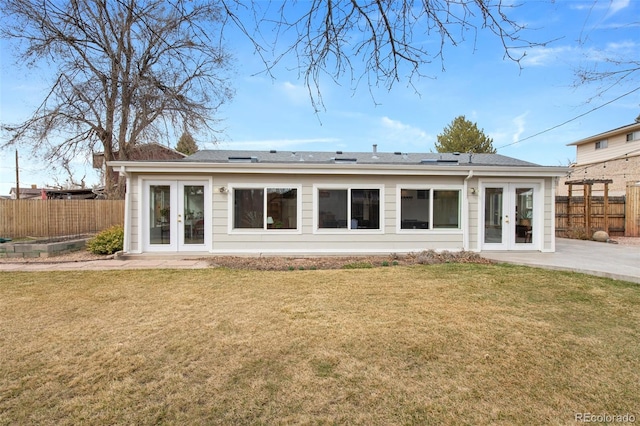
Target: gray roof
{"x":346,"y":157}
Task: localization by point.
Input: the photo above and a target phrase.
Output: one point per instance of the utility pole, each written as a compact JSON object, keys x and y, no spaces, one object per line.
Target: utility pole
{"x":17,"y":178}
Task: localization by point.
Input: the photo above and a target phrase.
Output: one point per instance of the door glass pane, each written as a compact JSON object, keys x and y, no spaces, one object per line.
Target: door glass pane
{"x":160,"y":220}
{"x":524,"y":215}
{"x":493,"y":215}
{"x":193,"y":214}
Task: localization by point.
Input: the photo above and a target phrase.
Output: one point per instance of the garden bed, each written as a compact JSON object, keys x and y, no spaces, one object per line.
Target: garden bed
{"x":43,"y":248}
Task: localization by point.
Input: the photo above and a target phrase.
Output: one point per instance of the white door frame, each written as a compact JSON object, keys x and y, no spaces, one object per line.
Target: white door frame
{"x":174,"y":229}
{"x":508,"y":241}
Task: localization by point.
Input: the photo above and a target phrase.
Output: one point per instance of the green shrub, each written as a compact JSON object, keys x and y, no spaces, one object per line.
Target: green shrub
{"x":108,"y":241}
{"x":358,"y":265}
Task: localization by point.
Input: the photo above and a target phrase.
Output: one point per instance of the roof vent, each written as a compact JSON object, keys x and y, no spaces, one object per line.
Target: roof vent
{"x":448,"y":161}
{"x":397,"y":153}
{"x":428,"y":160}
{"x":345,"y":160}
{"x":243,"y":159}
{"x":338,"y":152}
{"x":273,"y":151}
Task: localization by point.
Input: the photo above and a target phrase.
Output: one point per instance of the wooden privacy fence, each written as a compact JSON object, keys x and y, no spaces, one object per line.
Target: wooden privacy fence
{"x":573,"y":218}
{"x":57,"y":218}
{"x":632,"y":210}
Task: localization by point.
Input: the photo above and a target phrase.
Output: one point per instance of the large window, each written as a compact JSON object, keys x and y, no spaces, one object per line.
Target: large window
{"x":349,"y":208}
{"x":446,"y":209}
{"x":415,"y":208}
{"x":424,"y":208}
{"x":265,"y":208}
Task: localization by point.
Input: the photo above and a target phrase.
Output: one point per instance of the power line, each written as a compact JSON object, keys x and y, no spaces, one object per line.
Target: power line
{"x":572,"y":119}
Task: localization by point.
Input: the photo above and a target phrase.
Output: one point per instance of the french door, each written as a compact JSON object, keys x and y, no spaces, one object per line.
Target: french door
{"x":511,"y":216}
{"x":175,"y":216}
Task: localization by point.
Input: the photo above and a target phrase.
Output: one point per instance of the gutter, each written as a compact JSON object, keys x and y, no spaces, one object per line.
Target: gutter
{"x":333,"y":169}
{"x":465,"y":211}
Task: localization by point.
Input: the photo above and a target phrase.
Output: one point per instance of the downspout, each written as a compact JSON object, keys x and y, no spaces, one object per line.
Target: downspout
{"x":465,"y":212}
{"x":126,"y":246}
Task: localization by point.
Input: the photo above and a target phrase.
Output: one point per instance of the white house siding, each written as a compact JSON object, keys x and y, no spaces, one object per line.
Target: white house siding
{"x":312,"y":241}
{"x":134,"y":232}
{"x":473,"y":204}
{"x":617,"y":147}
{"x":549,"y":215}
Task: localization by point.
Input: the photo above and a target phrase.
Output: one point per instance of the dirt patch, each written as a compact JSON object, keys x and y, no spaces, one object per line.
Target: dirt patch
{"x":277,"y":263}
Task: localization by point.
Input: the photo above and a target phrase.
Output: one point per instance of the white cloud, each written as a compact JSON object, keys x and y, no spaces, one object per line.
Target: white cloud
{"x":519,"y":122}
{"x":618,"y":5}
{"x":266,"y":144}
{"x":297,"y":94}
{"x":510,"y":133}
{"x":543,"y":56}
{"x":394,"y":133}
{"x":613,"y":6}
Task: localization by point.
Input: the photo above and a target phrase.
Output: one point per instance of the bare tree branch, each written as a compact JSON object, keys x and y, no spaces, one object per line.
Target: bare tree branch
{"x":390,"y":41}
{"x":125,"y":72}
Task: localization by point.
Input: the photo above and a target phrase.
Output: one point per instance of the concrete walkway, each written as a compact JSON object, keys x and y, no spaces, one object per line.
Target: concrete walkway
{"x":606,"y":260}
{"x":108,"y":264}
{"x":620,"y":262}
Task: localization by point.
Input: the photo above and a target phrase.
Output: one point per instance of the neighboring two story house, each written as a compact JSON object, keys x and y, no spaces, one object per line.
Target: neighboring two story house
{"x":614,"y":154}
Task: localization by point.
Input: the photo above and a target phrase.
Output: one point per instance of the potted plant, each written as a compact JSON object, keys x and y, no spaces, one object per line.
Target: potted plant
{"x":525,"y":220}
{"x":164,"y":214}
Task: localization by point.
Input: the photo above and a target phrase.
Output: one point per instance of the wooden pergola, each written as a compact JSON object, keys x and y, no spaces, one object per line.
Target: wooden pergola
{"x":587,"y":189}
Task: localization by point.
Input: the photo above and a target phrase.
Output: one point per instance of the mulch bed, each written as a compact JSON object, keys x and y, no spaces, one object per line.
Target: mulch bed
{"x":279,"y":263}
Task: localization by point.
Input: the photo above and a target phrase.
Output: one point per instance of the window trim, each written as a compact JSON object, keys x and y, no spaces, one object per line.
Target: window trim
{"x":431,"y":189}
{"x":635,"y":136}
{"x":348,"y":187}
{"x":601,"y":144}
{"x":264,"y":186}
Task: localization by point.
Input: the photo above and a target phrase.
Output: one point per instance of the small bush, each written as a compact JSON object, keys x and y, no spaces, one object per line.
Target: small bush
{"x":108,"y":241}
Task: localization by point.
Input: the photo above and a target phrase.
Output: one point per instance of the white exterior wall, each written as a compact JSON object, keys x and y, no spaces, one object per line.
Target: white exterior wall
{"x":134,"y":213}
{"x":473,"y":204}
{"x":311,"y":241}
{"x":548,"y":244}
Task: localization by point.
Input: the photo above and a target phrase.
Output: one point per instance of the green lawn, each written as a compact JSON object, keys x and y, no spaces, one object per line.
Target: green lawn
{"x":442,"y":344}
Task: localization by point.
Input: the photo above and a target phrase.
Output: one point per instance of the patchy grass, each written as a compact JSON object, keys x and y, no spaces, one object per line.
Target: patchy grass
{"x":440,"y":344}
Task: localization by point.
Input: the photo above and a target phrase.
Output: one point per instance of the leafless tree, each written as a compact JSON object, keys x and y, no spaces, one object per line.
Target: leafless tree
{"x":385,"y":41}
{"x":125,"y":71}
{"x":614,"y":70}
{"x":616,"y":66}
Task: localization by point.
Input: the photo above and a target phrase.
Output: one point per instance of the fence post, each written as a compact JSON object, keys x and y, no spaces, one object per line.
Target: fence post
{"x":606,"y":208}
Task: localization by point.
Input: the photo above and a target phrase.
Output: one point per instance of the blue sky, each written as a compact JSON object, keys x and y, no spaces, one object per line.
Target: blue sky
{"x":509,"y":103}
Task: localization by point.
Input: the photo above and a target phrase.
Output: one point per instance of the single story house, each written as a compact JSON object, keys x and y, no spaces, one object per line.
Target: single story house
{"x":226,"y":202}
{"x":32,"y":193}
